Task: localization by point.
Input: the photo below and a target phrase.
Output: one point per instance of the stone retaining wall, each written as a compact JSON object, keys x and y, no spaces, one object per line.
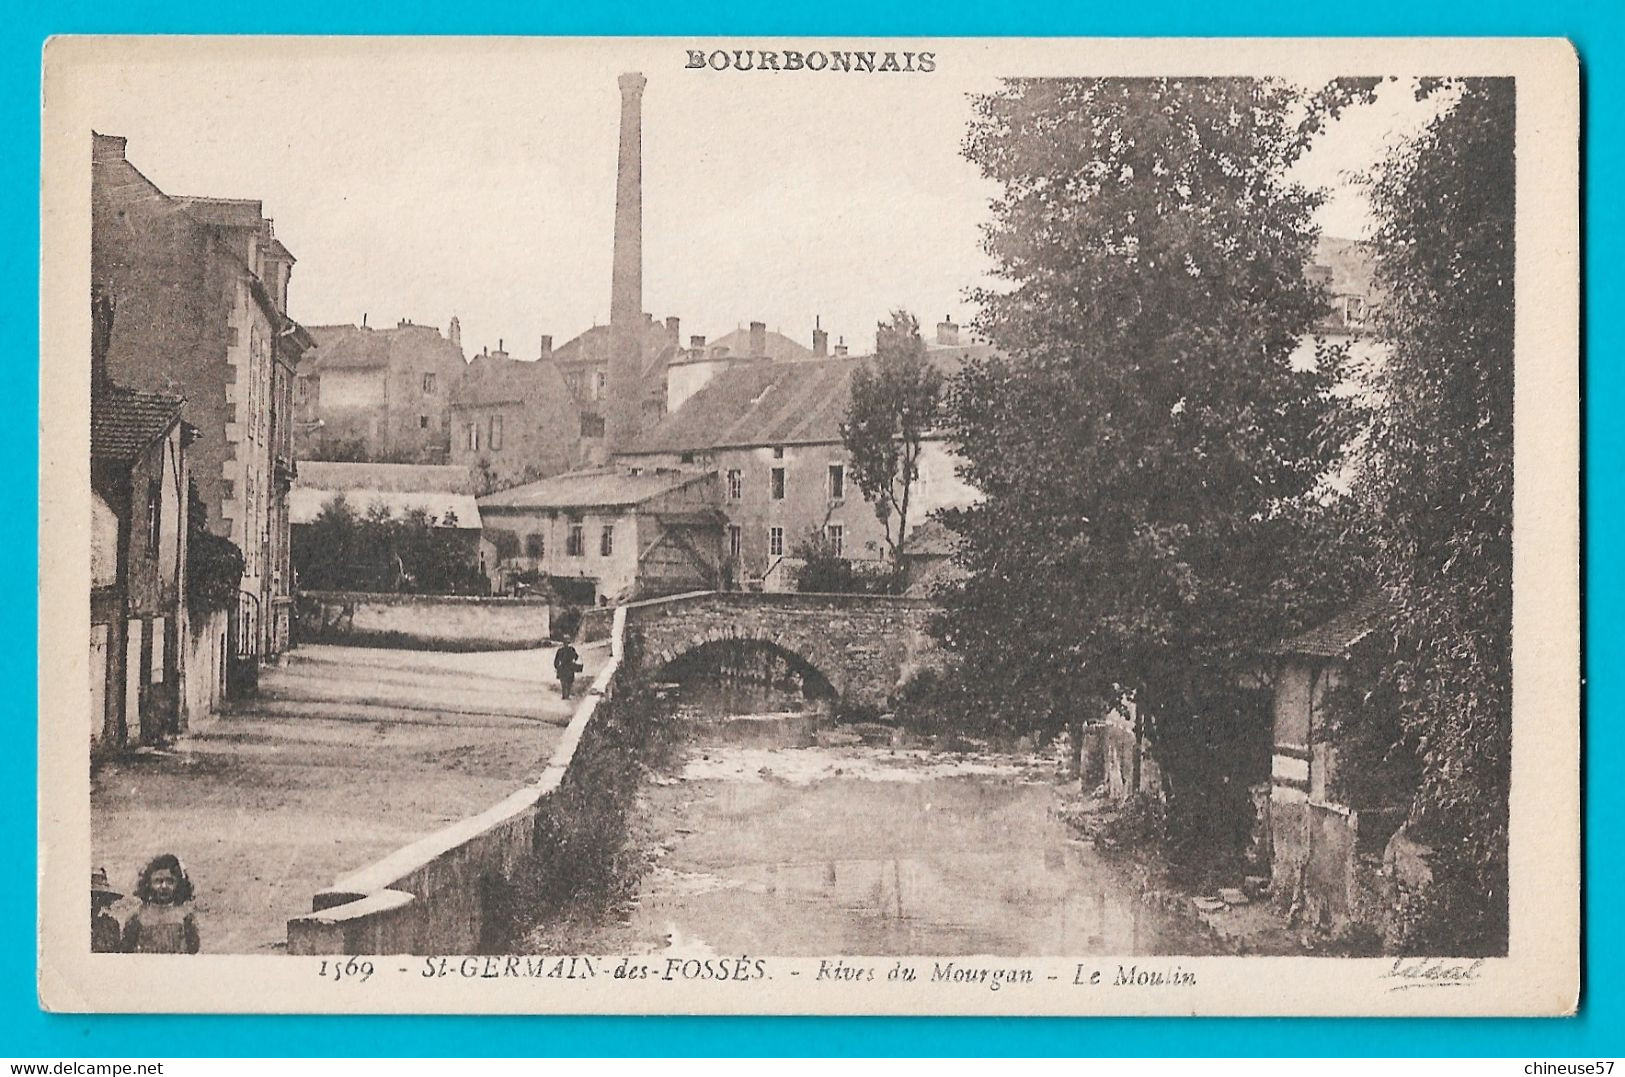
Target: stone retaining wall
{"x":430,"y":622}
{"x":436,"y":895}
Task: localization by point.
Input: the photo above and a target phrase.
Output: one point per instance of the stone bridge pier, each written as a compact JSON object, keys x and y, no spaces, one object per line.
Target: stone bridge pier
{"x":863,"y":645}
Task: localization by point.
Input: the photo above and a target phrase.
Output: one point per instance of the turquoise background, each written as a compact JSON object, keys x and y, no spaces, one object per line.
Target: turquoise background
{"x":25,"y":1031}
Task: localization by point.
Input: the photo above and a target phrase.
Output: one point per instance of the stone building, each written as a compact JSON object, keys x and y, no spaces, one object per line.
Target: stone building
{"x":197,"y":291}
{"x":610,"y":534}
{"x":379,"y":394}
{"x":1325,"y":855}
{"x":771,"y":431}
{"x":583,"y":363}
{"x":513,"y":421}
{"x":138,"y":482}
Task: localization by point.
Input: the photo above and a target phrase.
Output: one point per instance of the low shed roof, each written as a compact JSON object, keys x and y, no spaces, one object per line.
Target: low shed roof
{"x":1338,"y":636}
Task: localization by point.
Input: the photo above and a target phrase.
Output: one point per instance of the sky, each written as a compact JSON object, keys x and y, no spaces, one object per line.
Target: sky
{"x":426,"y":178}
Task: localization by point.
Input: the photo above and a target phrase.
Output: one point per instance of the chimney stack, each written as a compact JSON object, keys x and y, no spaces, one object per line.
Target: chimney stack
{"x":106,"y":147}
{"x":547,"y":346}
{"x":454,"y":333}
{"x":820,"y":338}
{"x":673,"y":325}
{"x":947,"y":331}
{"x":696,"y":344}
{"x":841,"y":349}
{"x":626,"y":321}
{"x":758,"y":339}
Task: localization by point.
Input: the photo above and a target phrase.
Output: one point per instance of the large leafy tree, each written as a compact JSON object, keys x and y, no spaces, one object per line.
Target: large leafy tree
{"x":896,"y":400}
{"x":1437,"y":480}
{"x":1146,"y":447}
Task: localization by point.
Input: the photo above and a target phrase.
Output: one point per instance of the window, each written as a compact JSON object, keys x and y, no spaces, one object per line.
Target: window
{"x":155,"y":516}
{"x":423,"y":422}
{"x":836,"y":533}
{"x":837,"y":482}
{"x":535,"y":545}
{"x":600,"y":382}
{"x":778,"y":484}
{"x":301,"y":390}
{"x":606,"y":541}
{"x":573,"y":546}
{"x":778,"y":452}
{"x":775,"y":542}
{"x":473,"y":437}
{"x":232,"y":336}
{"x":592,"y":426}
{"x":736,"y":540}
{"x":736,"y":484}
{"x":428,"y":384}
{"x":686,"y":458}
{"x":496,"y":432}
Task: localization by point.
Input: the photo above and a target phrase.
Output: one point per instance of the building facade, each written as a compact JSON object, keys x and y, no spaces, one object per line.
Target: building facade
{"x":380,"y":395}
{"x":771,"y":432}
{"x":609,"y":535}
{"x":513,"y":421}
{"x":196,"y":290}
{"x":138,"y":624}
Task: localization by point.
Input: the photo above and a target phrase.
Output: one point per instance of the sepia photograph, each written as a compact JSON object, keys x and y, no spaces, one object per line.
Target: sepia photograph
{"x":669,"y":525}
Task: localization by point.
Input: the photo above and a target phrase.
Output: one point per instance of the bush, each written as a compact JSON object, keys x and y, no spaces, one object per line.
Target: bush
{"x":214,"y":565}
{"x":345,"y":550}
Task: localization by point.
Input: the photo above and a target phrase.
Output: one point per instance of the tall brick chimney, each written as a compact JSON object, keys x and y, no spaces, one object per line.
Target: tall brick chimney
{"x":820,"y":338}
{"x":626,"y":321}
{"x":758,"y":339}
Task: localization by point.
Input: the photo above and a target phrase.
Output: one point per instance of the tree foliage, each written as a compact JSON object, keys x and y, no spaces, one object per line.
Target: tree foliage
{"x":1437,"y":483}
{"x":895,"y":402}
{"x":214,"y":565}
{"x":347,"y":550}
{"x":1147,"y":448}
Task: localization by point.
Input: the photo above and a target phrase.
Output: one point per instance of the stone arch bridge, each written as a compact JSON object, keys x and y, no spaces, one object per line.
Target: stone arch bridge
{"x":863,"y":645}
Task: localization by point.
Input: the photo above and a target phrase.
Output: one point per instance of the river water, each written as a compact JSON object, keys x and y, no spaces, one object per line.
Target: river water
{"x":774,"y":834}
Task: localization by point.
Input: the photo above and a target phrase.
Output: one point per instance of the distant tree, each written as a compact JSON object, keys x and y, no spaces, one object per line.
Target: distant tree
{"x":1437,"y":481}
{"x":896,"y":400}
{"x":1147,"y":450}
{"x":343,"y":550}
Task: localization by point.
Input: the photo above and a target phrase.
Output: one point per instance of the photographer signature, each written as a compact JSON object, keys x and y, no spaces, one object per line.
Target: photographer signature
{"x":1432,"y":972}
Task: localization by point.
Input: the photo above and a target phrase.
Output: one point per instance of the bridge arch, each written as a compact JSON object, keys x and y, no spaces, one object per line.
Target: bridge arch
{"x":859,"y":644}
{"x":819,"y":674}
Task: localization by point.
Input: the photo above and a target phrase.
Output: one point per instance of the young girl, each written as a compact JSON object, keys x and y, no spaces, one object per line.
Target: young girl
{"x":163,"y":924}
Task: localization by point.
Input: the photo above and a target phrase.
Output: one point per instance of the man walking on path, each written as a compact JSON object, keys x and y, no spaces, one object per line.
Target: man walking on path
{"x":566,"y":663}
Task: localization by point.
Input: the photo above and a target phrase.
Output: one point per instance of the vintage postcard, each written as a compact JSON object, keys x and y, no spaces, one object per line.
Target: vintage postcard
{"x":810,"y":526}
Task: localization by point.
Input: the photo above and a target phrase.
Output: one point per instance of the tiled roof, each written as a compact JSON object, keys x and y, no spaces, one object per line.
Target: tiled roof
{"x":594,"y":487}
{"x":1336,"y":637}
{"x":357,"y":347}
{"x":772,"y":404}
{"x":592,"y":346}
{"x":778,"y":347}
{"x":123,"y":422}
{"x":494,"y":379}
{"x":230,"y":212}
{"x":394,"y":478}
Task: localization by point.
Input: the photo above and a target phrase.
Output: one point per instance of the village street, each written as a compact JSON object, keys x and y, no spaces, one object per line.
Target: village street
{"x":346,"y":754}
